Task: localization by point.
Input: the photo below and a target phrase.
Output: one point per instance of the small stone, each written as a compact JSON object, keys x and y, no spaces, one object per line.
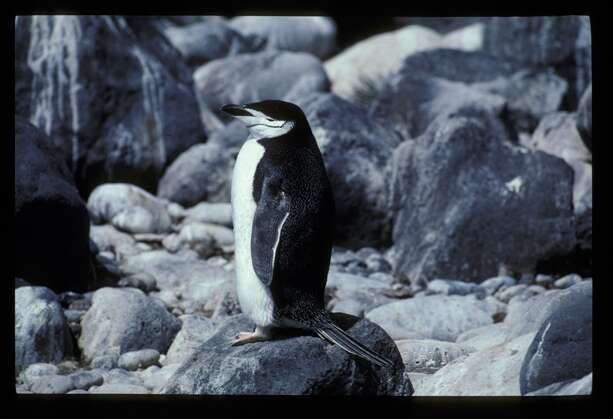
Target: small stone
{"x":83,"y":380}
{"x":53,"y":384}
{"x":35,"y":371}
{"x":506,"y":294}
{"x":537,"y":289}
{"x":82,"y":304}
{"x":544,"y":280}
{"x":120,"y":376}
{"x":567,"y":281}
{"x":492,"y":285}
{"x":138,"y":359}
{"x":144,"y":247}
{"x":105,"y":362}
{"x":73,"y":316}
{"x":141,"y":280}
{"x":452,"y":287}
{"x":67,"y":367}
{"x":526,"y":279}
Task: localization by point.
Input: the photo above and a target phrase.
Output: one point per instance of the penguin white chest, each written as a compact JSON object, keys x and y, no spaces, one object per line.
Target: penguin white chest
{"x":254,"y":297}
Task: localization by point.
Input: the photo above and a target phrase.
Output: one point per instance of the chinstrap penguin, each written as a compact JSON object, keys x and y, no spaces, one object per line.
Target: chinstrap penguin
{"x":283,"y":215}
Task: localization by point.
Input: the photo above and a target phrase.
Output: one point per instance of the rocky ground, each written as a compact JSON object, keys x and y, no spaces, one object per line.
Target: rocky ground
{"x":460,"y":160}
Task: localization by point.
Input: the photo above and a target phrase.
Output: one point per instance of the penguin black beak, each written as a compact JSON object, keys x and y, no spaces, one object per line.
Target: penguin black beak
{"x":236,"y":110}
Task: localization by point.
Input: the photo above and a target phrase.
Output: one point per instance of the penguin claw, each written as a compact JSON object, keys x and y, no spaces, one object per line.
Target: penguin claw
{"x":248,"y":337}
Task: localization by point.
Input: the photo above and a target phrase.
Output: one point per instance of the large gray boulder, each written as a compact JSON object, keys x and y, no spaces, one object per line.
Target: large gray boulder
{"x":123,"y":123}
{"x":356,"y":150}
{"x":292,"y":364}
{"x":566,"y":388}
{"x":41,"y":330}
{"x":313,"y":34}
{"x":246,"y":78}
{"x":202,"y":173}
{"x":373,"y":59}
{"x":465,"y":202}
{"x":127,"y":319}
{"x":195,"y":330}
{"x":51,"y":220}
{"x":562,"y":347}
{"x":437,"y":317}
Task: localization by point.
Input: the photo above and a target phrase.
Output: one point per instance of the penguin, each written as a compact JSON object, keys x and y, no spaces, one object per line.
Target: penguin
{"x":283,"y":214}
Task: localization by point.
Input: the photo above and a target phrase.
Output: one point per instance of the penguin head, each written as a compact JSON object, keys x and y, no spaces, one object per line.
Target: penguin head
{"x":268,"y":118}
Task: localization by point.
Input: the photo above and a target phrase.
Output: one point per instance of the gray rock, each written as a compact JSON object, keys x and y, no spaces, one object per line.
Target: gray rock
{"x":202,"y":173}
{"x":544,"y":280}
{"x":453,"y":287}
{"x":205,"y":239}
{"x":52,"y":384}
{"x":126,"y":319}
{"x":503,"y":205}
{"x":73,"y":316}
{"x":108,"y":238}
{"x":484,"y":337}
{"x":418,"y":379}
{"x":195,"y":330}
{"x":119,"y":389}
{"x":562,"y":347}
{"x":138,"y":359}
{"x":41,"y":330}
{"x":530,"y":316}
{"x":247,"y":78}
{"x":356,"y":149}
{"x":511,"y":292}
{"x":436,"y":317}
{"x":34,"y":371}
{"x":584,"y":118}
{"x":83,"y":380}
{"x":230,"y":137}
{"x":123,"y":125}
{"x":315,"y":366}
{"x":312,"y":34}
{"x":566,"y":388}
{"x":105,"y":362}
{"x":202,"y":42}
{"x":567,"y":281}
{"x":158,"y":379}
{"x":492,"y":285}
{"x":378,"y":56}
{"x":128,"y":208}
{"x":142,"y":280}
{"x":428,"y":356}
{"x":120,"y":376}
{"x":210,"y":212}
{"x":489,"y":372}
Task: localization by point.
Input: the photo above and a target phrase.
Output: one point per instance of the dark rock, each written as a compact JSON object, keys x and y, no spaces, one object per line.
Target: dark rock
{"x":53,"y":254}
{"x":566,"y":388}
{"x":476,"y":202}
{"x":41,"y":330}
{"x":121,"y":124}
{"x":312,"y":34}
{"x":202,"y":173}
{"x":562,"y":348}
{"x":294,"y":363}
{"x":356,"y":150}
{"x":584,"y":118}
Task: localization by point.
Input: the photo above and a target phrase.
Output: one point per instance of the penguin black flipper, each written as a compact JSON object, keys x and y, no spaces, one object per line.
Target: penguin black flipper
{"x":271,"y":213}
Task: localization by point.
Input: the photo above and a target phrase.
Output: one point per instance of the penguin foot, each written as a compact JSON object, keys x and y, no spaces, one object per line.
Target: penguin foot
{"x":257,"y":335}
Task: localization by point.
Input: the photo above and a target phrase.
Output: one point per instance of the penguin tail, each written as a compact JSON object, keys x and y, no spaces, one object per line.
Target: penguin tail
{"x":327,"y":330}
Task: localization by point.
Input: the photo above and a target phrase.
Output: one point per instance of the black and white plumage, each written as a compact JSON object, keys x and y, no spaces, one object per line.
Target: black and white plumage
{"x":283,"y":215}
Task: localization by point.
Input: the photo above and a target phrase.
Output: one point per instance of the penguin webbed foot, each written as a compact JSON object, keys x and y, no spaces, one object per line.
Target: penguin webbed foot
{"x":258,"y":335}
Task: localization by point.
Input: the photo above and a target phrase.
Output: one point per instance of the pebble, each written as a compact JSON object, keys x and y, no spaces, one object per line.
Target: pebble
{"x":52,"y":384}
{"x":120,"y":376}
{"x":544,"y":280}
{"x":138,"y":359}
{"x":105,"y":361}
{"x":567,"y":281}
{"x":73,"y":316}
{"x":67,"y":367}
{"x":492,"y":285}
{"x":35,"y":371}
{"x":83,"y":380}
{"x":507,"y":293}
{"x":141,"y":280}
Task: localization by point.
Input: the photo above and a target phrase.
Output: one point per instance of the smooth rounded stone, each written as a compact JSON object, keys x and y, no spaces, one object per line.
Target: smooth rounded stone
{"x":496,"y":308}
{"x":566,"y":388}
{"x":51,"y":254}
{"x":195,"y":330}
{"x":376,"y":263}
{"x":129,"y":208}
{"x":215,"y":234}
{"x":34,"y":371}
{"x":436,"y":317}
{"x":562,"y":347}
{"x":544,"y":280}
{"x":484,"y":337}
{"x":119,"y":388}
{"x":52,"y":384}
{"x":142,"y":280}
{"x":312,"y":34}
{"x":68,"y":366}
{"x":489,"y":372}
{"x":73,"y":316}
{"x":505,"y":191}
{"x":176,"y":211}
{"x":342,"y":257}
{"x":491,"y":285}
{"x":315,"y":367}
{"x":529,"y":316}
{"x":158,"y":379}
{"x":143,"y":247}
{"x":138,"y":359}
{"x":567,"y":281}
{"x":513,"y":291}
{"x":169,"y":297}
{"x":41,"y":329}
{"x":128,"y":319}
{"x":201,"y":173}
{"x":453,"y":287}
{"x":584,"y":117}
{"x":202,"y":42}
{"x":427,"y":355}
{"x":105,"y":362}
{"x":108,"y":238}
{"x":83,"y":380}
{"x":120,"y":376}
{"x":381,"y":55}
{"x":247,"y":78}
{"x":211,"y":213}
